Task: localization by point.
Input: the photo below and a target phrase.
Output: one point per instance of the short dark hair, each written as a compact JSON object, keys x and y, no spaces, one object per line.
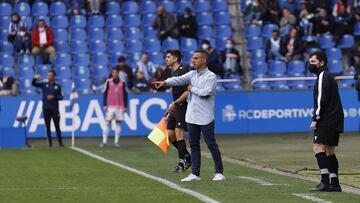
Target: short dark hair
{"x":321,"y":56}
{"x":176,"y":53}
{"x":52,"y":71}
{"x":276,"y":30}
{"x":203,"y":52}
{"x":114,"y":69}
{"x":41,"y":20}
{"x":121,"y":59}
{"x":205,"y":41}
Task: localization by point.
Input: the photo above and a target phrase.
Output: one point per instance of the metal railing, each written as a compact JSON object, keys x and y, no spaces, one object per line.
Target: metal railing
{"x":295,"y":78}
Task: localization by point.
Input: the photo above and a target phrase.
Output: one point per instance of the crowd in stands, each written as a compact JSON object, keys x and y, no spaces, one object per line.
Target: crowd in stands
{"x":138,"y":71}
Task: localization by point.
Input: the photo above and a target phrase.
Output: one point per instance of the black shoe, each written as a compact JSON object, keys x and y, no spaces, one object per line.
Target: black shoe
{"x":61,"y":145}
{"x":320,"y":188}
{"x":178,"y":169}
{"x":187,"y":162}
{"x":334,"y":188}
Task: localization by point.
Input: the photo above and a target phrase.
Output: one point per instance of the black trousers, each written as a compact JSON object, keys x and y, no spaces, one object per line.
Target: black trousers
{"x":55,"y":116}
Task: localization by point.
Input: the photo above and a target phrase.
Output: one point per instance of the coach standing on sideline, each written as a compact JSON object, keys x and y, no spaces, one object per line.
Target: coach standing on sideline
{"x":200,"y":112}
{"x":51,"y":96}
{"x":328,"y":122}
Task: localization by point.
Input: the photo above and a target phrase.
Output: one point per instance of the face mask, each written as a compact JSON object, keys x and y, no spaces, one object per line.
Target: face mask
{"x":186,"y":16}
{"x":312,"y":68}
{"x":205,"y":46}
{"x":22,"y":33}
{"x":228,"y":46}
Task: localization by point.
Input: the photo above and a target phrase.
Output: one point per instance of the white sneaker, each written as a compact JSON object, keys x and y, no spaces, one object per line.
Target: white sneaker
{"x":190,"y":178}
{"x":218,"y":176}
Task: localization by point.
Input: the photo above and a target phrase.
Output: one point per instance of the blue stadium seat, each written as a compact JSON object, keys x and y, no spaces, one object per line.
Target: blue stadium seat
{"x":96,"y":34}
{"x":63,"y":59}
{"x":59,"y":21}
{"x":220,"y":43}
{"x":219,"y":5}
{"x":134,"y":46}
{"x":186,"y":57}
{"x":222,"y":18}
{"x":8,"y":71}
{"x":63,"y":72}
{"x":201,"y":6}
{"x":233,"y":85}
{"x":188,"y":44}
{"x":45,"y":18}
{"x":78,"y":34}
{"x":81,"y":72}
{"x":114,"y":21}
{"x":4,"y":22}
{"x":357,"y":29}
{"x":148,"y":19}
{"x":170,"y":43}
{"x":147,"y":7}
{"x":100,"y":59}
{"x":57,"y":8}
{"x":78,"y":47}
{"x":347,"y":83}
{"x":334,"y":54}
{"x":43,"y":70}
{"x":132,"y":33}
{"x":130,"y":7}
{"x":96,"y":21}
{"x":258,"y":55}
{"x":149,"y":32}
{"x":97,"y":46}
{"x":3,"y":35}
{"x":204,"y":18}
{"x":279,"y":85}
{"x":66,"y":85}
{"x":326,"y":41}
{"x":223,"y":31}
{"x":267,"y":30}
{"x":61,"y":35}
{"x":254,"y":43}
{"x":169,"y":5}
{"x":78,"y":21}
{"x":114,"y":58}
{"x":115,"y":46}
{"x":132,"y":20}
{"x":205,"y":32}
{"x":6,"y":60}
{"x":335,"y":67}
{"x":22,"y":8}
{"x":40,"y":9}
{"x":81,"y":60}
{"x":82,"y":86}
{"x":112,"y":7}
{"x":25,"y":72}
{"x":62,"y":47}
{"x":157,"y":58}
{"x":28,"y":21}
{"x":297,"y":84}
{"x":312,"y":50}
{"x":5,"y":9}
{"x":25,"y":87}
{"x":252,"y":31}
{"x":181,"y":5}
{"x":114,"y":34}
{"x":6,"y":47}
{"x":261,"y":86}
{"x":296,"y":68}
{"x":152,"y":45}
{"x":100,"y":74}
{"x":277,"y":68}
{"x":259,"y":69}
{"x":347,"y":42}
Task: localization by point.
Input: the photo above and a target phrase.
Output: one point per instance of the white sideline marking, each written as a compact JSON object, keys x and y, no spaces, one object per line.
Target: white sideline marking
{"x":165,"y":182}
{"x":345,"y":188}
{"x":311,"y":197}
{"x":70,"y":188}
{"x":260,"y":181}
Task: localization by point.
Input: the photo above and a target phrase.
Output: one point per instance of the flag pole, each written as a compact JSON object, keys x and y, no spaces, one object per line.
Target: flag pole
{"x":72,"y":129}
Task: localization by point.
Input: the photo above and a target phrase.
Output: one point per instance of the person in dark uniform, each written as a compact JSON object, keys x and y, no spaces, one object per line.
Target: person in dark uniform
{"x":327,"y":122}
{"x":51,"y":97}
{"x":177,"y":110}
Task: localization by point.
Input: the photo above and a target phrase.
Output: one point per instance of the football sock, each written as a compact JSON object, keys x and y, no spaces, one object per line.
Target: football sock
{"x":323,"y":166}
{"x":181,"y":150}
{"x":117,"y":132}
{"x":333,"y":169}
{"x":106,"y":133}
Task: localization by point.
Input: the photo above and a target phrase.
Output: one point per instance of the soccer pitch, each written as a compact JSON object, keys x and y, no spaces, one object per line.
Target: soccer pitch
{"x":41,"y":174}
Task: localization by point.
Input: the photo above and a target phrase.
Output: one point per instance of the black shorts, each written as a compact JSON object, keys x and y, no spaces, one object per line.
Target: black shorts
{"x":177,"y":118}
{"x":326,"y":136}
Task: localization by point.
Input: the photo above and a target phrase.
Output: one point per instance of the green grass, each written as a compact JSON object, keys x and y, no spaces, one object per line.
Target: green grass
{"x":63,"y":175}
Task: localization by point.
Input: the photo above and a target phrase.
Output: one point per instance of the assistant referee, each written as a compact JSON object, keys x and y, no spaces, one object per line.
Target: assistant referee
{"x":328,"y":122}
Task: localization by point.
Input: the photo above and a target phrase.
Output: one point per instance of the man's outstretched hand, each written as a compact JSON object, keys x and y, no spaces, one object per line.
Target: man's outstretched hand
{"x":158,"y":84}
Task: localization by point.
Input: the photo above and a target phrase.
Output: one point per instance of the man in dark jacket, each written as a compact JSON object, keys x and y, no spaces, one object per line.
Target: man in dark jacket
{"x":187,"y":25}
{"x":328,"y":122}
{"x":165,"y":24}
{"x":293,"y":49}
{"x":51,"y":97}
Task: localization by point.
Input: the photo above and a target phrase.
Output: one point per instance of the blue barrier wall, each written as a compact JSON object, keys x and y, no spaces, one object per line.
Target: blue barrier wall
{"x":236,"y":112}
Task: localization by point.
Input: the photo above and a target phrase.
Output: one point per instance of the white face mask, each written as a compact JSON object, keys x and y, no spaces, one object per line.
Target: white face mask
{"x":22,"y":33}
{"x":205,"y":46}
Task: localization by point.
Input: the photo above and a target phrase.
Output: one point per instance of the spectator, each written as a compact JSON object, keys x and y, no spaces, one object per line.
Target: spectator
{"x":214,"y":63}
{"x":7,"y":86}
{"x":126,"y":73}
{"x":231,"y":58}
{"x":146,"y":67}
{"x":341,"y":7}
{"x":323,"y":22}
{"x":291,"y":5}
{"x":23,"y":41}
{"x":273,"y":46}
{"x":165,"y":24}
{"x":342,"y":20}
{"x":287,"y":21}
{"x":272,"y":12}
{"x":187,"y":25}
{"x":77,"y":11}
{"x":95,"y":6}
{"x":140,"y":84}
{"x":43,"y":40}
{"x":253,"y":11}
{"x":160,"y":75}
{"x":354,"y":59}
{"x":77,"y":4}
{"x":293,"y":47}
{"x":306,"y":19}
{"x":14,"y":28}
